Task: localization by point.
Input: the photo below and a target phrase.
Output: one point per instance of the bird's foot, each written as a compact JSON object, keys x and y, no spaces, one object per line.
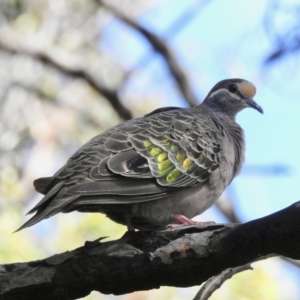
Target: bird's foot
{"x":184,"y":221}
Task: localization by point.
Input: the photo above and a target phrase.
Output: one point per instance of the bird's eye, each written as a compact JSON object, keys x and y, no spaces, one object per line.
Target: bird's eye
{"x":232,"y":88}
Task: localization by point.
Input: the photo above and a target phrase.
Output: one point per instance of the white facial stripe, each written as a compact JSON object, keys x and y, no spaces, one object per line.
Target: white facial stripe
{"x":225,"y":90}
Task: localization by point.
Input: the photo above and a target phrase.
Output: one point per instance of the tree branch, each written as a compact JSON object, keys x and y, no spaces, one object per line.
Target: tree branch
{"x":161,"y":47}
{"x":60,"y":60}
{"x":181,"y":257}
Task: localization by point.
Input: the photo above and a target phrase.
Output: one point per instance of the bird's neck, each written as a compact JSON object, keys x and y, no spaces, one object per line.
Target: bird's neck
{"x":219,"y":109}
{"x":235,"y":134}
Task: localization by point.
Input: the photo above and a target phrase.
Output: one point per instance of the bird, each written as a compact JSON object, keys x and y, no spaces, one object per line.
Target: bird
{"x":163,"y":168}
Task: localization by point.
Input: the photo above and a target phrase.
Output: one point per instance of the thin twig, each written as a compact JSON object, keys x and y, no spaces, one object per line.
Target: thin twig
{"x":295,"y":263}
{"x":215,"y":282}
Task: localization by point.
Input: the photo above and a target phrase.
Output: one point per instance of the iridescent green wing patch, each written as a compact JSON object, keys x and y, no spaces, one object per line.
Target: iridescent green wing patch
{"x":169,"y":162}
{"x":178,"y":148}
{"x":161,"y":165}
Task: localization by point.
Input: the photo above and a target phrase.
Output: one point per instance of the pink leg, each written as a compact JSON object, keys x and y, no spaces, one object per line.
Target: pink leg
{"x":183,"y":221}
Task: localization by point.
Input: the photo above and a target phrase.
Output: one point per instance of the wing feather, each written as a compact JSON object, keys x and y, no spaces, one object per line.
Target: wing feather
{"x":123,"y":187}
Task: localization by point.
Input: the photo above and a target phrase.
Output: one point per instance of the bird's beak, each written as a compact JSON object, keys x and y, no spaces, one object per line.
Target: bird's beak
{"x":251,"y":103}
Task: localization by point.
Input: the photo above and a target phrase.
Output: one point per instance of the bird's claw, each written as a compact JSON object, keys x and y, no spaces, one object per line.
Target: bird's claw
{"x":184,"y":221}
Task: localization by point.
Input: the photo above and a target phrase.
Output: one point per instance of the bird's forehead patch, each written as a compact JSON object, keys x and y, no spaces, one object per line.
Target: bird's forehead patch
{"x":247,"y":89}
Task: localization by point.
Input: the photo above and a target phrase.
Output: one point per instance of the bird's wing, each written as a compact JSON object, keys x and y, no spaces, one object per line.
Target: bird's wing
{"x":177,"y":148}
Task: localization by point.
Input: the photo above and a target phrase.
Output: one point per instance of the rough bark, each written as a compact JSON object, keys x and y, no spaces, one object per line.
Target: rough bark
{"x":180,"y":257}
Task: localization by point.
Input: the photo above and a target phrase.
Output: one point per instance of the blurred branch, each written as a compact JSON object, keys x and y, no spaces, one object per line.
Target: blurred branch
{"x":227,"y":209}
{"x":186,"y":16}
{"x":215,"y":282}
{"x":45,"y":96}
{"x":286,"y":39}
{"x":274,"y":169}
{"x":60,"y":60}
{"x":284,"y":48}
{"x":161,"y":47}
{"x":180,"y":23}
{"x":182,"y":257}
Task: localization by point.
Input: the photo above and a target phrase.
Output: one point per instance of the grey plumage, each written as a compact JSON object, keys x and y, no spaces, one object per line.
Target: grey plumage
{"x":146,"y":172}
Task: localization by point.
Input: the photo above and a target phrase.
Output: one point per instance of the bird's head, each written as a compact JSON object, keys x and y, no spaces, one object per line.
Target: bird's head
{"x":231,"y":96}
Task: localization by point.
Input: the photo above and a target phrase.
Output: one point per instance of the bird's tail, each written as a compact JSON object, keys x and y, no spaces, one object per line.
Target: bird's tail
{"x":44,"y":212}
